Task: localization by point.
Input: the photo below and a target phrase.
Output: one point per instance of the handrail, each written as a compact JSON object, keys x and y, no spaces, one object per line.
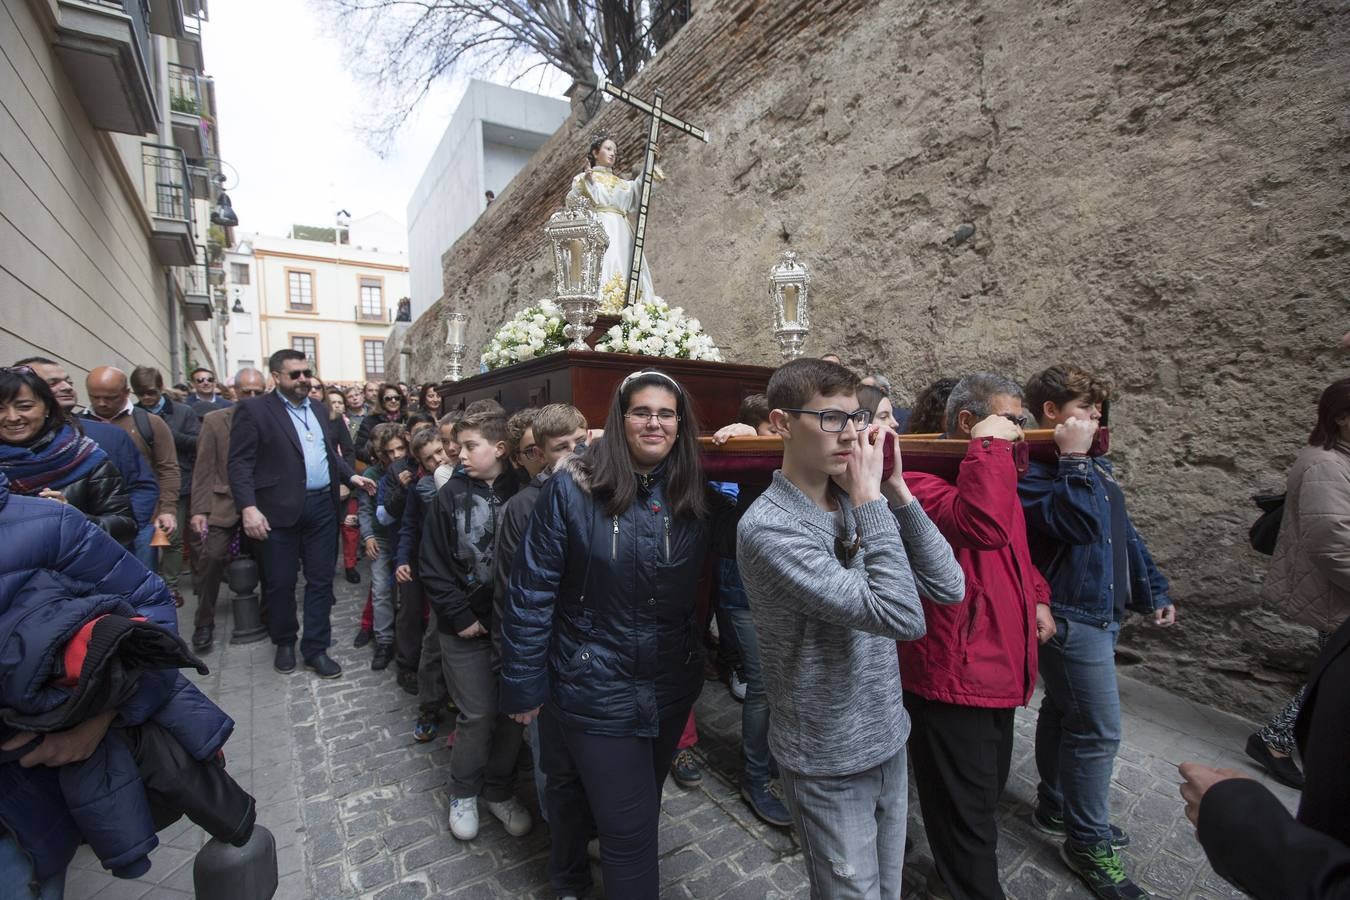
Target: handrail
{"x":168,"y":191}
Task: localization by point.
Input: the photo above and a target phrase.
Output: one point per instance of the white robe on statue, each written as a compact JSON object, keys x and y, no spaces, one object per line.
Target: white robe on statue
{"x":614,"y":200}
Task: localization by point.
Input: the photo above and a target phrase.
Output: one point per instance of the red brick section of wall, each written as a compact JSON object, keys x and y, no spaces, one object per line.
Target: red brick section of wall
{"x":724,"y":47}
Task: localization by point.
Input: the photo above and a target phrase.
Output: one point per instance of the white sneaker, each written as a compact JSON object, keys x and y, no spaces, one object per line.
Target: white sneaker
{"x":736,"y":685}
{"x":514,"y":817}
{"x":464,"y":818}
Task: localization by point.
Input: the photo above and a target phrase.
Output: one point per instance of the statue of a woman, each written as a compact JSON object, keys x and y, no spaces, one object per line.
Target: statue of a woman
{"x":614,"y":200}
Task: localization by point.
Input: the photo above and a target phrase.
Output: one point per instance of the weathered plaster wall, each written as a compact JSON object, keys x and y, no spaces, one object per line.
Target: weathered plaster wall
{"x":1158,"y":192}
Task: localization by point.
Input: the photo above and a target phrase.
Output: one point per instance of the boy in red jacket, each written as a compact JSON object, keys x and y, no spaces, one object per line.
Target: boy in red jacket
{"x":977,"y":662}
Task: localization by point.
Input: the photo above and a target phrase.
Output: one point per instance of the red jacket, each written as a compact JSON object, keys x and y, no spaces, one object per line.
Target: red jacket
{"x":981,"y":652}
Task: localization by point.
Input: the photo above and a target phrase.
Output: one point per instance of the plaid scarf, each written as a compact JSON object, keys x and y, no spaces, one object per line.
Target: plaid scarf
{"x":58,"y":460}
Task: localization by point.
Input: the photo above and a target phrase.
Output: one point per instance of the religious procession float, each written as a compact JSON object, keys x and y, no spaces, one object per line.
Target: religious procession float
{"x":606,"y":321}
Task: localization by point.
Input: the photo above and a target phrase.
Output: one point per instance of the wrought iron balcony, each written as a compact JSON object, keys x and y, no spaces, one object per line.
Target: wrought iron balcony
{"x":168,"y":198}
{"x":187,"y":103}
{"x":104,"y":46}
{"x":196,"y":287}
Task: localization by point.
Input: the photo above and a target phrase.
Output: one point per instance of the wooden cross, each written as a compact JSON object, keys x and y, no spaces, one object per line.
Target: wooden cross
{"x":654,"y":110}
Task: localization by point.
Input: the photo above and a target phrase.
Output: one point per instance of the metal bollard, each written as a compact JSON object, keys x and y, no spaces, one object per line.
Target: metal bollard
{"x":242,"y":577}
{"x":225,"y":872}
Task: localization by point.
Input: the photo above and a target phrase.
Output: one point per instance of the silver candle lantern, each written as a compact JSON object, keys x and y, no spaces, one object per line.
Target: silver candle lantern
{"x":456,"y":325}
{"x":579,"y":243}
{"x":789,"y":289}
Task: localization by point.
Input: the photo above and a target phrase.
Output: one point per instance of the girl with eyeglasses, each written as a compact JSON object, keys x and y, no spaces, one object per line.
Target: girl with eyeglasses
{"x":599,"y":634}
{"x":390,"y":406}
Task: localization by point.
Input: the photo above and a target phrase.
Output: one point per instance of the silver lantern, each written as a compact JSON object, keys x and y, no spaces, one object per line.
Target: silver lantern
{"x":789,"y":287}
{"x":456,"y":325}
{"x":579,"y":244}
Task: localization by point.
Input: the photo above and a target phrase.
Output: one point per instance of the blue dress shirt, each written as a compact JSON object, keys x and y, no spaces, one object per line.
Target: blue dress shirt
{"x":309,"y":429}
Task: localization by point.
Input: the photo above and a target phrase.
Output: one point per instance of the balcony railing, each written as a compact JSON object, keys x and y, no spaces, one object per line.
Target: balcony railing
{"x":168,"y":198}
{"x":185,"y":92}
{"x":104,"y":46}
{"x":365,"y":315}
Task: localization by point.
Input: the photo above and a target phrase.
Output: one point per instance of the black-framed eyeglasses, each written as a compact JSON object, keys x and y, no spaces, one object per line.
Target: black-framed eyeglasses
{"x":299,"y":373}
{"x":645,"y":416}
{"x":834,"y":420}
{"x":1020,"y":420}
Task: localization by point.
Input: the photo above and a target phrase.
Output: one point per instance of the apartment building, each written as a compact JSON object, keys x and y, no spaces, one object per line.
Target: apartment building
{"x":333,"y":300}
{"x":111,"y":148}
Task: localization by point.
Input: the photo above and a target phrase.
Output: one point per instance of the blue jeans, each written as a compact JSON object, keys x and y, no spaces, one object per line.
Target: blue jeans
{"x":382,"y":593}
{"x":16,"y":876}
{"x":1078,"y":729}
{"x":755,"y":710}
{"x":312,"y":543}
{"x":149,"y":556}
{"x":852,"y":829}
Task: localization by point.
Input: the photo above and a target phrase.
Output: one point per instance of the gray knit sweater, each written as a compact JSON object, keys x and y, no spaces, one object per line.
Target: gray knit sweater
{"x":827,"y":631}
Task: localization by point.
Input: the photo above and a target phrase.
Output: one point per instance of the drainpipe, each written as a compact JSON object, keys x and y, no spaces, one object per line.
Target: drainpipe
{"x":175,"y":358}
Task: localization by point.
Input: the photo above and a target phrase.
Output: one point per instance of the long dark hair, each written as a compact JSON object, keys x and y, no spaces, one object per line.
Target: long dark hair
{"x":422,"y":398}
{"x":1334,"y":403}
{"x":609,"y":462}
{"x":13,"y":379}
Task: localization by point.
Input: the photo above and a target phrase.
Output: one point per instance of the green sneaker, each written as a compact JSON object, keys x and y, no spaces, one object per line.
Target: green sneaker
{"x":1100,"y":867}
{"x":1053,"y":823}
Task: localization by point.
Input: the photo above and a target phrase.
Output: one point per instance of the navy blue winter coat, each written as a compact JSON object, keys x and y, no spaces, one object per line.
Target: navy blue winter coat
{"x":599,"y":618}
{"x":57,"y":572}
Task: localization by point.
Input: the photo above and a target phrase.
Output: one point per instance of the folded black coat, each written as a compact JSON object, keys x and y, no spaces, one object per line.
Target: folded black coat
{"x":178,"y":785}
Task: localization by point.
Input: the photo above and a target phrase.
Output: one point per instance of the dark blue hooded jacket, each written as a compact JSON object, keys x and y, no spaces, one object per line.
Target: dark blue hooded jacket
{"x":57,"y":572}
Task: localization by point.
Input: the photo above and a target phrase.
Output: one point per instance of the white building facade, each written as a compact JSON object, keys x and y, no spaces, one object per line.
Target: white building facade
{"x":492,"y":135}
{"x":111,"y":146}
{"x":334,"y":302}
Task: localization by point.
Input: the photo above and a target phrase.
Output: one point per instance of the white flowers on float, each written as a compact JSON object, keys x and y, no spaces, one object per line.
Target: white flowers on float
{"x":534,"y":331}
{"x":654,"y":328}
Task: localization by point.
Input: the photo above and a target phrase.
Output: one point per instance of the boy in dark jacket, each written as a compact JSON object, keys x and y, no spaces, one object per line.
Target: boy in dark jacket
{"x":457,"y":574}
{"x":389,"y":443}
{"x":428,"y":456}
{"x":554,"y":432}
{"x":1098,"y":568}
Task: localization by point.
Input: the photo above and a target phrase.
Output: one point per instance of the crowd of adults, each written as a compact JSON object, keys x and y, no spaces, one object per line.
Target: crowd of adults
{"x":535,"y":583}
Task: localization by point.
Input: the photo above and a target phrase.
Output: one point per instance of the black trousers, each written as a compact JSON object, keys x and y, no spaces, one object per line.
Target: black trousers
{"x":409,"y":626}
{"x":610,"y":786}
{"x":961,"y":757}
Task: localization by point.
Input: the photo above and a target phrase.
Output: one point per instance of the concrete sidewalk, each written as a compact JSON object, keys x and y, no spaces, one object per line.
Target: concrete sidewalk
{"x":359,"y":809}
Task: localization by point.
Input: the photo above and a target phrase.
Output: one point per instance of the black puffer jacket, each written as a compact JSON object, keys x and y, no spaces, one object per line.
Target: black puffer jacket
{"x":599,"y":619}
{"x":103,"y":499}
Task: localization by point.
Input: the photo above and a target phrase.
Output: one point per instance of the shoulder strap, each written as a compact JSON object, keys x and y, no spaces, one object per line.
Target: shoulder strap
{"x":143,"y":427}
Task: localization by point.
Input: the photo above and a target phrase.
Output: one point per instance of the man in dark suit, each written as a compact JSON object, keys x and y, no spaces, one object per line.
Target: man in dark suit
{"x":1248,"y":835}
{"x":285,"y":472}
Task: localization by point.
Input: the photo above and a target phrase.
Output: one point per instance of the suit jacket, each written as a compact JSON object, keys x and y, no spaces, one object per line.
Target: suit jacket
{"x":211,"y":495}
{"x":266,"y":464}
{"x":1251,"y":839}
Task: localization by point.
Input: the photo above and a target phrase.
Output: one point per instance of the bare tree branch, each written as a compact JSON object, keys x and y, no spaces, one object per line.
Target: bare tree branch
{"x":401,"y":48}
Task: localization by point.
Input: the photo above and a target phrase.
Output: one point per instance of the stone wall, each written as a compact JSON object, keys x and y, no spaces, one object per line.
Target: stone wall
{"x":1158,"y":193}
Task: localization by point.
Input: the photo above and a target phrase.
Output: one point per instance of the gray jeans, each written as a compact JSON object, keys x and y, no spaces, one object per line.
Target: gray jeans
{"x":486,"y":740}
{"x":852,"y":830}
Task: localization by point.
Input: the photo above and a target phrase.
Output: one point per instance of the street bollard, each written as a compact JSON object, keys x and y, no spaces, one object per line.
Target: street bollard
{"x":242,"y":577}
{"x":225,"y":872}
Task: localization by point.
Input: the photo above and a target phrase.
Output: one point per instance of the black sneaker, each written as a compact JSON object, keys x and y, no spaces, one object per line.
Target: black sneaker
{"x":284,"y":661}
{"x":1282,"y":768}
{"x":353,"y":576}
{"x":323,"y":666}
{"x":1053,"y":823}
{"x":363,"y":637}
{"x":1101,"y":869}
{"x":384,"y":655}
{"x":684,"y":768}
{"x":203,"y":636}
{"x":407,"y":680}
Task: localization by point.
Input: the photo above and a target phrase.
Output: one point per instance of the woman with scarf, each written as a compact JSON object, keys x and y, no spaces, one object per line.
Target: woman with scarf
{"x":44,"y":453}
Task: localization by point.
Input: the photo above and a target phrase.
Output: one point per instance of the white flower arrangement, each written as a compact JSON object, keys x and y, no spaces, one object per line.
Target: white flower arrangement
{"x":653,"y":328}
{"x":534,"y":331}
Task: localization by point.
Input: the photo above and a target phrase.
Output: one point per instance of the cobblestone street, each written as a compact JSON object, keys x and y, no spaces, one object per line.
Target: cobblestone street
{"x":359,"y":809}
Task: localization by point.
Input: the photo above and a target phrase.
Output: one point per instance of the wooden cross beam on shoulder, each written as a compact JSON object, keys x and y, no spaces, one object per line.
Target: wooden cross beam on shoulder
{"x":658,"y":116}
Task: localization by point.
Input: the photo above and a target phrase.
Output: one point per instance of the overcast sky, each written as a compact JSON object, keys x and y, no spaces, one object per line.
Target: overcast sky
{"x":288,"y":112}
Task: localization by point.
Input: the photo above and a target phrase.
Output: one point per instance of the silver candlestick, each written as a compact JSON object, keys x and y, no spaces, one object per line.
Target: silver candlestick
{"x":457,"y":324}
